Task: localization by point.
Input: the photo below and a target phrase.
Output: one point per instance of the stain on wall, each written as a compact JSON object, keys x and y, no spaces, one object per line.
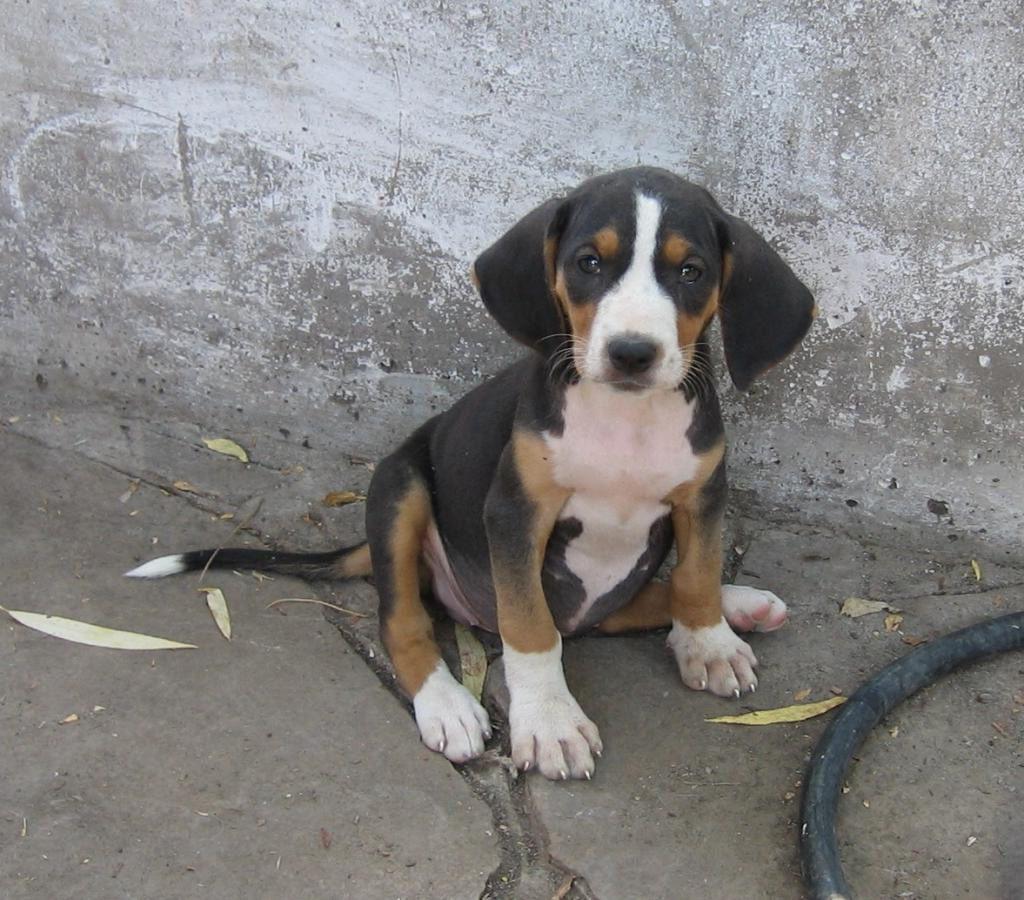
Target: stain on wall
{"x":274,"y":207}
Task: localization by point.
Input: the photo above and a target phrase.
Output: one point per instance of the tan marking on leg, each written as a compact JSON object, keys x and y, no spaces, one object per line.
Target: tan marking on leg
{"x":524,"y":619}
{"x":408,"y":631}
{"x":356,"y":564}
{"x":696,"y":580}
{"x":649,"y":609}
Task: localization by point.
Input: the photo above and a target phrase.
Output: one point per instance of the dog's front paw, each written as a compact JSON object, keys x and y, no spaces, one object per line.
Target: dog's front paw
{"x":713,"y":659}
{"x":449,"y":718}
{"x":552,"y":734}
{"x":751,"y":609}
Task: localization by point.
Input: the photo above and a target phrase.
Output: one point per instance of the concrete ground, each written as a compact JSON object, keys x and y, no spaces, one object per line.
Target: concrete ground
{"x":282,"y":764}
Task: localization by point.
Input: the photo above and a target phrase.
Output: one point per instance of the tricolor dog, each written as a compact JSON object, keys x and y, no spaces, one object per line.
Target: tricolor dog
{"x":543,"y":502}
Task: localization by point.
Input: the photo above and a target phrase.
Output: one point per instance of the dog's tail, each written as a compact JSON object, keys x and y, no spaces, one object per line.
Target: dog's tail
{"x":345,"y":562}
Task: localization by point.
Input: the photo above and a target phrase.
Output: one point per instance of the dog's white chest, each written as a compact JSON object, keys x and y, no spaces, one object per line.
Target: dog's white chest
{"x":621,"y":455}
{"x":623,"y":449}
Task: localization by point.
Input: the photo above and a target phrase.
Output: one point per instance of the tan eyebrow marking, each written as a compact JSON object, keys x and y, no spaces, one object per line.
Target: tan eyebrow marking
{"x":675,"y":249}
{"x":606,"y":242}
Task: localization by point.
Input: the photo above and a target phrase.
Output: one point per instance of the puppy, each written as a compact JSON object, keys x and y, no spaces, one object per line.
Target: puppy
{"x":543,"y":502}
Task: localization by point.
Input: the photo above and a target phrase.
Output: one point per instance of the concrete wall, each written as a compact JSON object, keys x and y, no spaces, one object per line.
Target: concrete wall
{"x":272,"y":206}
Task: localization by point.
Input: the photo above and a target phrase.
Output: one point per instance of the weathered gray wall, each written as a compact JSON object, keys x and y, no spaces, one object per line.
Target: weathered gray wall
{"x":272,"y":206}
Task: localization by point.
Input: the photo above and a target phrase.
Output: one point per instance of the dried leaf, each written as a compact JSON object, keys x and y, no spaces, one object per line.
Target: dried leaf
{"x":127,"y":495}
{"x":473,"y":660}
{"x":912,"y":641}
{"x":227,"y":447}
{"x":800,"y":696}
{"x":69,"y":720}
{"x":783,"y":714}
{"x":326,"y":839}
{"x":976,"y":568}
{"x":893,"y":621}
{"x":342,"y":498}
{"x":185,"y":487}
{"x":341,"y":609}
{"x":24,"y":827}
{"x":219,"y":609}
{"x":854,"y":607}
{"x":93,"y":635}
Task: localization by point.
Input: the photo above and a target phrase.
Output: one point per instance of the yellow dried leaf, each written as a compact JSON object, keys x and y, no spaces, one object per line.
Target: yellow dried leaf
{"x":219,"y":609}
{"x":93,"y":635}
{"x":342,"y":498}
{"x":227,"y":447}
{"x":976,"y":568}
{"x":783,"y":714}
{"x":893,"y":621}
{"x":69,"y":720}
{"x":185,"y":487}
{"x":473,"y":660}
{"x":855,"y":607}
{"x":800,"y":696}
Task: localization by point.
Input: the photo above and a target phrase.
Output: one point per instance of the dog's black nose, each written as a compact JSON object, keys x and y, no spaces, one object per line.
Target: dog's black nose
{"x":632,"y":355}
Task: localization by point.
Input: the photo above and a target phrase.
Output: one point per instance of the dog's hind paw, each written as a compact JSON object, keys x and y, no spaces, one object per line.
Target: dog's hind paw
{"x":751,"y":609}
{"x":713,"y":659}
{"x":449,"y":719}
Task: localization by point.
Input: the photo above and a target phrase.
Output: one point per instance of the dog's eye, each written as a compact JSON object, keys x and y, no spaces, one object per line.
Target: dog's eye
{"x":589,"y":264}
{"x":690,"y":273}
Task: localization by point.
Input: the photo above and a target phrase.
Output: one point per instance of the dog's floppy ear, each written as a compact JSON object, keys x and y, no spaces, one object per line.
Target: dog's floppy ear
{"x":515,"y":276}
{"x":764,"y":309}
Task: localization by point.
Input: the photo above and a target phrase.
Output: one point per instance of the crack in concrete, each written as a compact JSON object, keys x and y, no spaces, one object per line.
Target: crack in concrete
{"x":184,"y":163}
{"x":526,"y":869}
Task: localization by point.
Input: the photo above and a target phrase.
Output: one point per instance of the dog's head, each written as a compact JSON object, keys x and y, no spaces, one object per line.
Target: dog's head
{"x":626,"y":272}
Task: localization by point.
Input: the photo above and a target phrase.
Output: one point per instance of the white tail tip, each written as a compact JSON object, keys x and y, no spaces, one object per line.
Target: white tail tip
{"x":159,"y":567}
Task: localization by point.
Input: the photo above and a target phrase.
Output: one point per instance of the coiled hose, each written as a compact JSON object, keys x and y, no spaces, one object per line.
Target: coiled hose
{"x":819,"y":851}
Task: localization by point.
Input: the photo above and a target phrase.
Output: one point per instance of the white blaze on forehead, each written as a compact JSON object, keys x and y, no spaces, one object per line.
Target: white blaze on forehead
{"x":638,"y":305}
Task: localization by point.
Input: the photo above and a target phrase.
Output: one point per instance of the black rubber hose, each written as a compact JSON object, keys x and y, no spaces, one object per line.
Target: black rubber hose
{"x":819,"y":850}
